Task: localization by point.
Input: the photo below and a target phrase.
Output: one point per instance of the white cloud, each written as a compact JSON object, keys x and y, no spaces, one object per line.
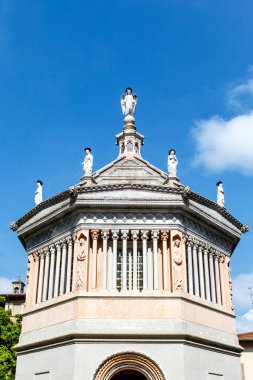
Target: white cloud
{"x":225,"y":144}
{"x":5,"y":285}
{"x":245,"y":322}
{"x":241,"y":95}
{"x":241,"y":291}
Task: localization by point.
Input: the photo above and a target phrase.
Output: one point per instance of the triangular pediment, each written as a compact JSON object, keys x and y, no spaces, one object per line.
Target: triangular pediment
{"x":130,"y":170}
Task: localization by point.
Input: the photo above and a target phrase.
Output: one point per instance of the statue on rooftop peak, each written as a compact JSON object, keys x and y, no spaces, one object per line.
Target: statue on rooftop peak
{"x":38,"y":192}
{"x":87,"y":163}
{"x":128,"y":102}
{"x":172,"y":163}
{"x":220,"y":194}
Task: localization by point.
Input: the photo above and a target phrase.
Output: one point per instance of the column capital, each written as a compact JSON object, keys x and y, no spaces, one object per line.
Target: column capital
{"x":135,"y":234}
{"x":105,"y":234}
{"x":115,"y":234}
{"x":222,"y":258}
{"x":64,"y":243}
{"x":46,"y":251}
{"x":124,"y":234}
{"x":155,"y":234}
{"x":74,"y":237}
{"x":94,"y":234}
{"x":58,"y":245}
{"x":69,"y":240}
{"x":189,"y":241}
{"x":144,"y":234}
{"x":35,"y":256}
{"x":164,"y":235}
{"x":52,"y":248}
{"x":41,"y":253}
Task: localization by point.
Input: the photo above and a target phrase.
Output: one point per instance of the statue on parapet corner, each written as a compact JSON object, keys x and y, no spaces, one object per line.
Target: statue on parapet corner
{"x":172,"y":163}
{"x":128,"y":102}
{"x":87,"y":163}
{"x":220,"y":194}
{"x":38,"y":193}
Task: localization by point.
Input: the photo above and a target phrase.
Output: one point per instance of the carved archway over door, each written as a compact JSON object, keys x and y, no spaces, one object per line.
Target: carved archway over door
{"x":127,"y":362}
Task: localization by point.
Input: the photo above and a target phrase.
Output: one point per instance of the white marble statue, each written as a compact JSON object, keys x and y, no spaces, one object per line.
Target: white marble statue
{"x":128,"y":102}
{"x":220,"y":194}
{"x":172,"y":163}
{"x":87,"y":163}
{"x":38,"y":193}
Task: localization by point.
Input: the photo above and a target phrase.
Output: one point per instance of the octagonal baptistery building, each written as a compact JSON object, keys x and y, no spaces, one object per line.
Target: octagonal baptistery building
{"x":128,"y":278}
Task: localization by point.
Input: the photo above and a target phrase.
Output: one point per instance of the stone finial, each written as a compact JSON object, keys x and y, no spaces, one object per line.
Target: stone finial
{"x":244,"y":228}
{"x":13,"y":226}
{"x":38,"y":193}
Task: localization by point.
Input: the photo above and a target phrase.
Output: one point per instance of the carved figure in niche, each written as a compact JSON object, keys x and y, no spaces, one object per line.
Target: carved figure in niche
{"x":38,"y":192}
{"x":172,"y":163}
{"x":82,"y":249}
{"x":220,"y":194}
{"x":129,"y":146}
{"x":88,"y":162}
{"x":178,"y":261}
{"x":128,"y":102}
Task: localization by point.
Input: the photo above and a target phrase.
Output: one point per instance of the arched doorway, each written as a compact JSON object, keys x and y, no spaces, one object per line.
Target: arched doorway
{"x":128,"y":366}
{"x":129,"y":375}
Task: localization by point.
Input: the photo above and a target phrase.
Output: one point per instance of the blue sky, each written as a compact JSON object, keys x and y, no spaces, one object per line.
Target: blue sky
{"x":63,"y":67}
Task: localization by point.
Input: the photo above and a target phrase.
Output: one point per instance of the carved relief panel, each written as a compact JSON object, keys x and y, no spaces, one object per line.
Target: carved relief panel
{"x":81,"y":260}
{"x":178,"y":261}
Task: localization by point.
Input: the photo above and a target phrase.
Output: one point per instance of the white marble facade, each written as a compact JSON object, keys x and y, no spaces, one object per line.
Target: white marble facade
{"x":129,"y":271}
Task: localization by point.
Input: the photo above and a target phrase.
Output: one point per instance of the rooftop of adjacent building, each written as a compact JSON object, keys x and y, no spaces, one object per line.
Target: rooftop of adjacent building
{"x":246,"y":336}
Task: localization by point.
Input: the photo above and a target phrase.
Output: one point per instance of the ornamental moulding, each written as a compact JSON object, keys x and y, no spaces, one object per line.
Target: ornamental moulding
{"x":129,"y":361}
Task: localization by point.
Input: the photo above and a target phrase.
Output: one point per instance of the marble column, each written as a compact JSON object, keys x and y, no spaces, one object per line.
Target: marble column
{"x":57,"y":269}
{"x":135,"y":266}
{"x":105,"y":235}
{"x":51,"y":271}
{"x":124,"y":238}
{"x":211,"y":266}
{"x":195,"y":270}
{"x":217,"y":277}
{"x":207,"y":277}
{"x":164,"y":237}
{"x":222,"y":280}
{"x":69,"y":264}
{"x":75,"y":253}
{"x":41,"y":274}
{"x":201,"y":271}
{"x":189,"y":266}
{"x":36,"y":274}
{"x":63,"y":267}
{"x":144,"y":236}
{"x":46,"y":274}
{"x":155,"y":237}
{"x":115,"y":236}
{"x":94,"y":236}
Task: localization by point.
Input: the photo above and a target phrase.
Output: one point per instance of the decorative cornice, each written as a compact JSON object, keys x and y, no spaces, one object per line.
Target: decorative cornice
{"x":79,"y":189}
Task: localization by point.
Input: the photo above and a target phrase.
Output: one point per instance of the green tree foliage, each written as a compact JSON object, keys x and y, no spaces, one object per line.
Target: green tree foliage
{"x":9,"y":335}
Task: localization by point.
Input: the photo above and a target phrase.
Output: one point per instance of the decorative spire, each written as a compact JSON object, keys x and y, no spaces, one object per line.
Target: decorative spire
{"x":129,"y":140}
